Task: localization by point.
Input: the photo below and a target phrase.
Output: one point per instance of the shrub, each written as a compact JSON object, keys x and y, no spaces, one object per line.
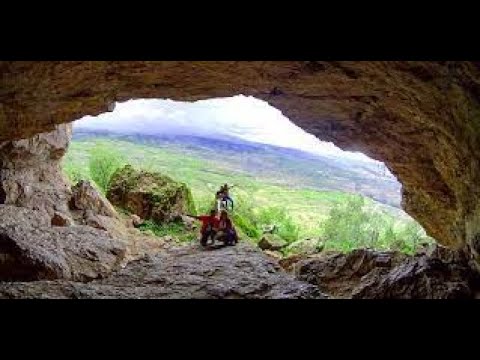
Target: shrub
{"x":287,"y":229}
{"x":350,"y":225}
{"x":103,"y":162}
{"x":244,"y":217}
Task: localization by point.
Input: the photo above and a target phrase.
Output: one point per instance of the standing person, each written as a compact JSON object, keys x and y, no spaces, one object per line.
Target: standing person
{"x":224,"y":195}
{"x":210,"y":224}
{"x":219,"y":200}
{"x":226,"y":230}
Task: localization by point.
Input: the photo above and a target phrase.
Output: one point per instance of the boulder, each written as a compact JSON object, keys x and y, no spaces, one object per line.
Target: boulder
{"x":288,"y":263}
{"x":189,"y":223}
{"x":306,"y":246}
{"x":136,"y":220}
{"x":271,"y":242}
{"x":414,"y":279}
{"x":14,"y":215}
{"x":338,"y":274}
{"x":78,"y":253}
{"x":274,"y":254}
{"x":86,"y":197}
{"x":150,"y":195}
{"x":89,"y":207}
{"x":368,"y":274}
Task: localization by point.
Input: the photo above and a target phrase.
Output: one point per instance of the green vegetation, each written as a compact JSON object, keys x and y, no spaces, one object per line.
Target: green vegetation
{"x":162,"y":190}
{"x":74,"y":172}
{"x":344,"y":221}
{"x":351,"y":225}
{"x":174,"y":229}
{"x":287,"y":229}
{"x":104,"y":160}
{"x":245,"y":217}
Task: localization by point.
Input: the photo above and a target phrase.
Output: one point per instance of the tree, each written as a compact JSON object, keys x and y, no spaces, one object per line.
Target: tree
{"x":103,"y":162}
{"x":347,"y":224}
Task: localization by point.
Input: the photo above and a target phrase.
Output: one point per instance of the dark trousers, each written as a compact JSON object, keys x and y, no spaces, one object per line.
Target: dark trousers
{"x":229,"y":237}
{"x":205,"y":235}
{"x":232,"y":237}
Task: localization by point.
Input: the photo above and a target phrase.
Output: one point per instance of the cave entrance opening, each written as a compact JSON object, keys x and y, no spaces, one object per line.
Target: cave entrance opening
{"x":282,"y":174}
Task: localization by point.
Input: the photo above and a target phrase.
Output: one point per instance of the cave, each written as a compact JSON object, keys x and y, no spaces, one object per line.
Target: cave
{"x":420,"y":118}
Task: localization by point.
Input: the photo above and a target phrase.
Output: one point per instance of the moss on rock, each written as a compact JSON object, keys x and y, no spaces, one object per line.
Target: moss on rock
{"x":150,"y":195}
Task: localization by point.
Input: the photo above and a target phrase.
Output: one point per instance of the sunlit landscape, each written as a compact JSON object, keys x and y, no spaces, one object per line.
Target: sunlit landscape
{"x":281,"y":174}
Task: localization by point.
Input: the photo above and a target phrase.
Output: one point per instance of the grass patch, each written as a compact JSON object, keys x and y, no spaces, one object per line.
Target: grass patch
{"x":175,"y":229}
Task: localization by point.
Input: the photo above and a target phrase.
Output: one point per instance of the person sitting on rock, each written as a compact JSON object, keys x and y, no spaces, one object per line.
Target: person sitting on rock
{"x":210,"y":224}
{"x":226,"y":230}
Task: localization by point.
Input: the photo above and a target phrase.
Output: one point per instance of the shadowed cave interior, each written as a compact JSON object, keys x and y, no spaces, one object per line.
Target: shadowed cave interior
{"x":419,"y":118}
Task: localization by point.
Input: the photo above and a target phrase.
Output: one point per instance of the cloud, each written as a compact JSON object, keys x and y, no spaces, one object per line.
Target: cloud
{"x":240,"y":116}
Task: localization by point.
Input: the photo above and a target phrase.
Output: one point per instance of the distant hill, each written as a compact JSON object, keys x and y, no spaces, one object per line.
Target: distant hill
{"x":278,"y":165}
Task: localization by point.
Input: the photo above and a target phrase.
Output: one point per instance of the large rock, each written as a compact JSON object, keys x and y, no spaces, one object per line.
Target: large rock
{"x":339,"y":274}
{"x":136,"y":221}
{"x":77,"y":253}
{"x":14,"y":215}
{"x":189,"y":223}
{"x":288,"y":263}
{"x":30,"y":249}
{"x":274,"y":254}
{"x":368,"y":274}
{"x":424,"y":278}
{"x":240,"y":272}
{"x":272,"y":242}
{"x":86,"y":197}
{"x":150,"y":195}
{"x":308,"y":246}
{"x":31,"y":175}
{"x":89,"y":207}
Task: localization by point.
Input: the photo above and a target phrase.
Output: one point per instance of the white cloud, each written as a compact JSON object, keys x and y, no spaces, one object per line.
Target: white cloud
{"x":240,"y":116}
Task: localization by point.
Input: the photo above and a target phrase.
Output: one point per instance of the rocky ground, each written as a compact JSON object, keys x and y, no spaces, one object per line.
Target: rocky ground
{"x":38,"y":260}
{"x":62,"y":241}
{"x":85,"y":264}
{"x":438,"y":273}
{"x":188,"y":272}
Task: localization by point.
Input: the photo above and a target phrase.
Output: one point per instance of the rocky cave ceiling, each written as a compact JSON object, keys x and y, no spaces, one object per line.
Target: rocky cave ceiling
{"x":421,"y":118}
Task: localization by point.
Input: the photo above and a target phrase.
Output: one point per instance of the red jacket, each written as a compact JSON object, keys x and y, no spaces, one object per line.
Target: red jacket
{"x":208,"y":220}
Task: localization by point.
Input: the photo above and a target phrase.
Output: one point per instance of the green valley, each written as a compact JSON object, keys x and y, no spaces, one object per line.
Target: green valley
{"x":270,"y":186}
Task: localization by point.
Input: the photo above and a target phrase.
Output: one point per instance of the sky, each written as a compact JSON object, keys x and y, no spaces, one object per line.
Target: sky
{"x":240,"y":116}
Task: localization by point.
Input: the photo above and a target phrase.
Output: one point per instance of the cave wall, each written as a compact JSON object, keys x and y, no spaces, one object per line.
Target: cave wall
{"x":421,"y":118}
{"x":31,"y":174}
